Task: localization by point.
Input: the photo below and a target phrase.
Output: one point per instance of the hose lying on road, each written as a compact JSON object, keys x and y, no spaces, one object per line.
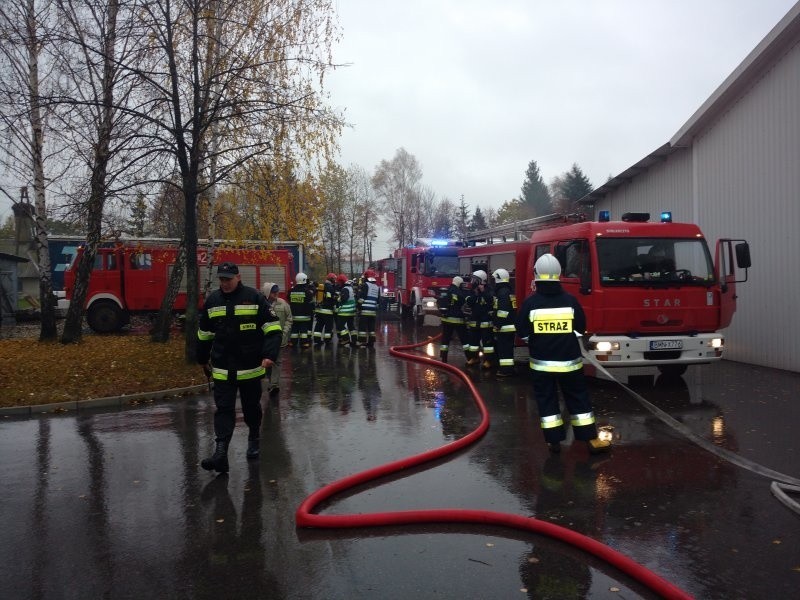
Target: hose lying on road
{"x":305,"y":517}
{"x":781,"y":481}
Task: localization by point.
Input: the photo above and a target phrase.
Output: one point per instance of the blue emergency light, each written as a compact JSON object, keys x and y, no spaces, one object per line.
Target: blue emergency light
{"x":439,"y":242}
{"x":666,"y":217}
{"x":604,"y":216}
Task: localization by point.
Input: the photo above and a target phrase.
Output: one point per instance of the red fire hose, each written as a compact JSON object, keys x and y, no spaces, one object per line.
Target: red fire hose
{"x":304,"y":517}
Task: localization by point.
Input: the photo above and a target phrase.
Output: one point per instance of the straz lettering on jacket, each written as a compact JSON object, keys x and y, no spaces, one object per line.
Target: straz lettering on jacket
{"x":552,"y":320}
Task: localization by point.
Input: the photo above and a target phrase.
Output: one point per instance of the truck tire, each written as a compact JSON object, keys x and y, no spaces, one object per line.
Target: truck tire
{"x":672,"y":370}
{"x":419,"y":315}
{"x":408,"y":310}
{"x":104,"y":316}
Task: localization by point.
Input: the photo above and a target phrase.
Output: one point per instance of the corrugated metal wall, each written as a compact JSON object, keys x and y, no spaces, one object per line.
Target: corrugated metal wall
{"x":741,"y":178}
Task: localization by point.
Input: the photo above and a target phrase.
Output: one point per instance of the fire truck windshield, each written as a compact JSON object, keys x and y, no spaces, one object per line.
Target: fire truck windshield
{"x":648,"y":261}
{"x":441,"y":265}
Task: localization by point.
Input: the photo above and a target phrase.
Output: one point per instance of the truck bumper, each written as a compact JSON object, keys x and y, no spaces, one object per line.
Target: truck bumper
{"x":646,"y":351}
{"x":430,"y":306}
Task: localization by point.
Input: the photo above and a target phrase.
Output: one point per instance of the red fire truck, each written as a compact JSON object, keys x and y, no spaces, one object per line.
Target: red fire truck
{"x":131,"y":277}
{"x":652,"y":294}
{"x":421,"y":272}
{"x":387,"y":280}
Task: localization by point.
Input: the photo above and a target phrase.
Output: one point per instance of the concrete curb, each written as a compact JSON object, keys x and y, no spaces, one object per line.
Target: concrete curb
{"x":110,"y":401}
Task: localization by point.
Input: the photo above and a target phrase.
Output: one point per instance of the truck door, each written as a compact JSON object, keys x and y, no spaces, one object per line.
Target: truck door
{"x":730,"y":255}
{"x":143,"y":288}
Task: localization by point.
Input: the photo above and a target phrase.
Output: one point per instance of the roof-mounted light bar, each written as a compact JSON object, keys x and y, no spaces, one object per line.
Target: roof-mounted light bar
{"x":636,"y":217}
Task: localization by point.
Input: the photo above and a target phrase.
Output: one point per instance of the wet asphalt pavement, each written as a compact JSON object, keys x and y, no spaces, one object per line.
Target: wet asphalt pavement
{"x":110,"y":503}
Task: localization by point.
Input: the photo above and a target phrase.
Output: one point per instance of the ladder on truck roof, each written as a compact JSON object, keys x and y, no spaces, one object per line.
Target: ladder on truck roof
{"x":520,"y":230}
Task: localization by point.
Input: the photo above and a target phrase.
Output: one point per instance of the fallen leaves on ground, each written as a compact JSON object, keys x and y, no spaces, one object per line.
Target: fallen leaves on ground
{"x":33,"y":372}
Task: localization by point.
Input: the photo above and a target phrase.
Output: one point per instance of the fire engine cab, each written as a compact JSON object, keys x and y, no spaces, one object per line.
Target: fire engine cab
{"x":651,"y":292}
{"x":131,"y":278}
{"x":421,"y":272}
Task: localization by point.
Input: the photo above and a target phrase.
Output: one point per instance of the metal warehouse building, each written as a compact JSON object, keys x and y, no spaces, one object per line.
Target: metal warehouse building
{"x":734,"y":169}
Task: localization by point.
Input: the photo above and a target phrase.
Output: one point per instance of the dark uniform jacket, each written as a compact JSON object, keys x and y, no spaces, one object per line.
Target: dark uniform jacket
{"x":301,"y":300}
{"x":478,"y":305}
{"x":505,"y":308}
{"x":236,"y":332}
{"x":548,"y":319}
{"x":451,"y":304}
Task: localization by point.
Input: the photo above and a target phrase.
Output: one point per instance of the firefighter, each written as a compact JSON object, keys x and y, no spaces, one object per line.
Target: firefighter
{"x":239,"y":338}
{"x":323,"y":314}
{"x":301,"y":301}
{"x":451,"y":304}
{"x":345,"y":311}
{"x":367,"y":298}
{"x":478,"y":312}
{"x":504,"y":319}
{"x":549,"y":320}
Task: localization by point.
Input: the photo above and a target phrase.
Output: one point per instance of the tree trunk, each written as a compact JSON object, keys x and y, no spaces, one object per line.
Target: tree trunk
{"x":97,"y":189}
{"x":192,"y":275}
{"x":161,"y":327}
{"x":47,"y":302}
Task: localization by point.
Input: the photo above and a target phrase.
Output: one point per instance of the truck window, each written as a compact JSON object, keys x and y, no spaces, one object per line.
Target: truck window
{"x":648,"y":261}
{"x":574,"y":258}
{"x":439,"y":265}
{"x":141,"y":260}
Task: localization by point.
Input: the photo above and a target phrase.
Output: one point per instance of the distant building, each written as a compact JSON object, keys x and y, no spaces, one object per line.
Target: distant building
{"x":734,"y":169}
{"x":9,"y":287}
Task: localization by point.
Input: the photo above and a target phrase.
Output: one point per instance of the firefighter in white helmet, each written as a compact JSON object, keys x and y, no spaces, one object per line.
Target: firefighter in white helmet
{"x":301,"y":301}
{"x":549,"y":320}
{"x":450,"y":304}
{"x":504,"y":319}
{"x":478,"y":312}
{"x":368,"y":298}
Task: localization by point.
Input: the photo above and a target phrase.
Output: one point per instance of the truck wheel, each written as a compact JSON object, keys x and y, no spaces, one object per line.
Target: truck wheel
{"x":672,"y":370}
{"x":408,"y":310}
{"x":419,"y":316}
{"x":104,"y":317}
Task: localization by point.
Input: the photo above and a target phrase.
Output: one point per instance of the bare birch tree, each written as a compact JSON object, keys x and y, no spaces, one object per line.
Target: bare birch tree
{"x":23,"y":120}
{"x":396,"y":183}
{"x":93,"y":106}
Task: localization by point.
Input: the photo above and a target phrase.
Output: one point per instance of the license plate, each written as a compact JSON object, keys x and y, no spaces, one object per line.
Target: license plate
{"x":666,"y":345}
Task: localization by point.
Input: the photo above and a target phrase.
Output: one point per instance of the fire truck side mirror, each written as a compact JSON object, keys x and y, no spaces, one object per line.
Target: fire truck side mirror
{"x":743,"y":255}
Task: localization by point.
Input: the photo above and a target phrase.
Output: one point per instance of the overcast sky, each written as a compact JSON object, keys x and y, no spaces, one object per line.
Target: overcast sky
{"x":475,"y":90}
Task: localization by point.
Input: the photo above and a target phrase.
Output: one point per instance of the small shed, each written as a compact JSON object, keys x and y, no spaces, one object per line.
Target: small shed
{"x":9,"y":287}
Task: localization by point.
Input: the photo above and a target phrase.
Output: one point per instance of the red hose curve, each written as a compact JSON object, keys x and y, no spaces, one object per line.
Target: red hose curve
{"x":304,"y":517}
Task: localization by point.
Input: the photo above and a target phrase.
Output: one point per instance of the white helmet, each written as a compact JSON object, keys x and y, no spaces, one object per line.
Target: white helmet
{"x":457,"y":281}
{"x":547,"y":268}
{"x":301,"y":278}
{"x":501,"y":276}
{"x":481,"y":276}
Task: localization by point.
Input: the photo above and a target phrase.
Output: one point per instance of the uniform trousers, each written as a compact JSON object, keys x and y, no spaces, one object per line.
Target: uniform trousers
{"x":576,"y":397}
{"x":225,"y":400}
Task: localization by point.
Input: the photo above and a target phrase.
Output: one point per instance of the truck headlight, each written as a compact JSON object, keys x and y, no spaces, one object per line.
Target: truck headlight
{"x":606,"y":346}
{"x":716,"y":343}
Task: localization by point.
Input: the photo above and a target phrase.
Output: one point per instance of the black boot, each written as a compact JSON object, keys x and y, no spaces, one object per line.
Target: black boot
{"x":218,"y":461}
{"x":253,"y":449}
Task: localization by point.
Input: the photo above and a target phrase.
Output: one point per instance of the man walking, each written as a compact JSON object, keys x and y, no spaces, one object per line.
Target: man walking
{"x":239,"y":338}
